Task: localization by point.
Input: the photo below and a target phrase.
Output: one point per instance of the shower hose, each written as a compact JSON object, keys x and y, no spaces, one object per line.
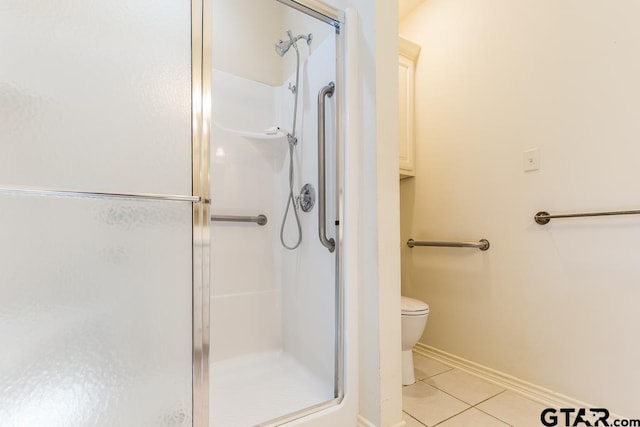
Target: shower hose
{"x":291,"y":201}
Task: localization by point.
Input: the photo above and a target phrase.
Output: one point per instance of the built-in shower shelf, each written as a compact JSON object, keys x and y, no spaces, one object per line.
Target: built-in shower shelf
{"x":280,"y":134}
{"x":263,"y":136}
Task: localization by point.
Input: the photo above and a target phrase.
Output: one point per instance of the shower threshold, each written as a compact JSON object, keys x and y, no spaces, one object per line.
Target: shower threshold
{"x":249,"y":390}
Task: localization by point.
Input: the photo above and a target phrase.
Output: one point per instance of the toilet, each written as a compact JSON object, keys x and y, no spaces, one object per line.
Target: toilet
{"x":414,"y":319}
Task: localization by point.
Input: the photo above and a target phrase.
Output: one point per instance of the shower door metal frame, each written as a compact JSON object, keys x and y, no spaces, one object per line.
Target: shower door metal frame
{"x":201,"y":27}
{"x":318,"y":10}
{"x":200,"y":147}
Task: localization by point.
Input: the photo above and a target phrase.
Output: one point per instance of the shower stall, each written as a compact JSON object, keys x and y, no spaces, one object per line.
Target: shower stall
{"x":172,"y":213}
{"x":276,"y":288}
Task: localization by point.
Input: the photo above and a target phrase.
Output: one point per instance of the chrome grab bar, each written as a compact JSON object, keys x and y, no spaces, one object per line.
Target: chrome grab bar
{"x":483,"y":244}
{"x":260,"y":219}
{"x":330,"y":244}
{"x":543,"y":217}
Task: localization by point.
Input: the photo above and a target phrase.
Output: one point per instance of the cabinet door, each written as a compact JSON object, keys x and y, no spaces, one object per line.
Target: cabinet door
{"x":405,"y":116}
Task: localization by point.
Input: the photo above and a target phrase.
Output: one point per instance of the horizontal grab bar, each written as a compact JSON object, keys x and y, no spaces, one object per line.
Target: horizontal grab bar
{"x":260,"y":219}
{"x":483,"y":244}
{"x":543,"y":217}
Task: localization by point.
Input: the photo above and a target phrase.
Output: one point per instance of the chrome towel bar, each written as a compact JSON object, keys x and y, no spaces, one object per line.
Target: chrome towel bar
{"x":260,"y":219}
{"x":543,"y":217}
{"x":483,"y":244}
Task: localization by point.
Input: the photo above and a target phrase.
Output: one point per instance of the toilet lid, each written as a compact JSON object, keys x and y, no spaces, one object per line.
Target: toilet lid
{"x":413,"y":306}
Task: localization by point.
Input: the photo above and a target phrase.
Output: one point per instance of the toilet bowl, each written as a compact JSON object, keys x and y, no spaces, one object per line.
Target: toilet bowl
{"x":414,"y":319}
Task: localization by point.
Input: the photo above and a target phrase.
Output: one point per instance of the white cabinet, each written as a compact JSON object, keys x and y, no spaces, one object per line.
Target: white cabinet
{"x":409,"y":52}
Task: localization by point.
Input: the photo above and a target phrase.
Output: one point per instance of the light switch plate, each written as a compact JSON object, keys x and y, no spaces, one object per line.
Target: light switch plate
{"x":531,"y":159}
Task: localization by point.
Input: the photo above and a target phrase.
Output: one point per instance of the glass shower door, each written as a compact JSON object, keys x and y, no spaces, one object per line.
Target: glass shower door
{"x":96,"y":213}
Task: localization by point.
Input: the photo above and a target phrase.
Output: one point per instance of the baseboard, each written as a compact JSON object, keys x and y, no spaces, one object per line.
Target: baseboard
{"x":542,"y":395}
{"x":363,"y":422}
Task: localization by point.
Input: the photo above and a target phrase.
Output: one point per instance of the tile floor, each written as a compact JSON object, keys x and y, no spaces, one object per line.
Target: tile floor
{"x":446,"y":397}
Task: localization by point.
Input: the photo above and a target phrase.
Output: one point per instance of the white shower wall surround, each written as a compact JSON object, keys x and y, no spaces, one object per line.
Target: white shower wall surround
{"x":244,"y":292}
{"x":265,"y":298}
{"x":308,"y":288}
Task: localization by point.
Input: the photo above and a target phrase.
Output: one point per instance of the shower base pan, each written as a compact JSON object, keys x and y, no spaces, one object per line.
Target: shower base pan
{"x":254,"y":389}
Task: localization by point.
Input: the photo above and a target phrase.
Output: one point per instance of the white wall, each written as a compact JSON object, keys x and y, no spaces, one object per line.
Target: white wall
{"x":248,"y":50}
{"x":299,"y":23}
{"x":379,"y":296}
{"x":555,"y":305}
{"x":307,"y":273}
{"x":274,"y":298}
{"x":245,"y":292}
{"x":387,"y":230}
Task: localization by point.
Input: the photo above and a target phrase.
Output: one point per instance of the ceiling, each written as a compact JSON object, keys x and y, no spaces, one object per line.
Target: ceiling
{"x":406,"y":6}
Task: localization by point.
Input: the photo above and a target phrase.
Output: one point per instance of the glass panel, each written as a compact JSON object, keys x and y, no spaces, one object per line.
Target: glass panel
{"x":273,"y":309}
{"x":95,"y":312}
{"x":96,"y":95}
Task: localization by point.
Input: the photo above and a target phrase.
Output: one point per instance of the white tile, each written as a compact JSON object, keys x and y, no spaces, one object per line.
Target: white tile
{"x":464,"y":386}
{"x":425,"y":367}
{"x":410,"y":421}
{"x":514,"y":409}
{"x":473,"y":418}
{"x":429,"y":405}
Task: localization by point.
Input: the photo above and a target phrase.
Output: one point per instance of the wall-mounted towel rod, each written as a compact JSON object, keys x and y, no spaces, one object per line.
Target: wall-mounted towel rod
{"x":260,"y":219}
{"x":483,"y":244}
{"x":543,"y":217}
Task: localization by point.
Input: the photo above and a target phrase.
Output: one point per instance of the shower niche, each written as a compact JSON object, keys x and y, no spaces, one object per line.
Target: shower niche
{"x":275,"y":298}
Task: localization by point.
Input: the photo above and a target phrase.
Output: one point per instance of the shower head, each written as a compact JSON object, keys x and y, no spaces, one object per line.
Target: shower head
{"x":283,"y":46}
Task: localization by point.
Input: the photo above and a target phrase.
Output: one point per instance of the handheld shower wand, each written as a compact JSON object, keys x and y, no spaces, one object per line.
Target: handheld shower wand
{"x":281,"y":49}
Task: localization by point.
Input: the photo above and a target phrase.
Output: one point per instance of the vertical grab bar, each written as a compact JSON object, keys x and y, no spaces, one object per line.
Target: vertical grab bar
{"x":330,"y":244}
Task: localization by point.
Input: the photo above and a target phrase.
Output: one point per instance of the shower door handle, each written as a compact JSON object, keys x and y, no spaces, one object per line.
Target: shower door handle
{"x":330,"y":244}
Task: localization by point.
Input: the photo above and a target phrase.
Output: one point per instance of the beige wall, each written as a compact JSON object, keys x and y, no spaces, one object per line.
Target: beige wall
{"x":554,"y":305}
{"x":249,"y":50}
